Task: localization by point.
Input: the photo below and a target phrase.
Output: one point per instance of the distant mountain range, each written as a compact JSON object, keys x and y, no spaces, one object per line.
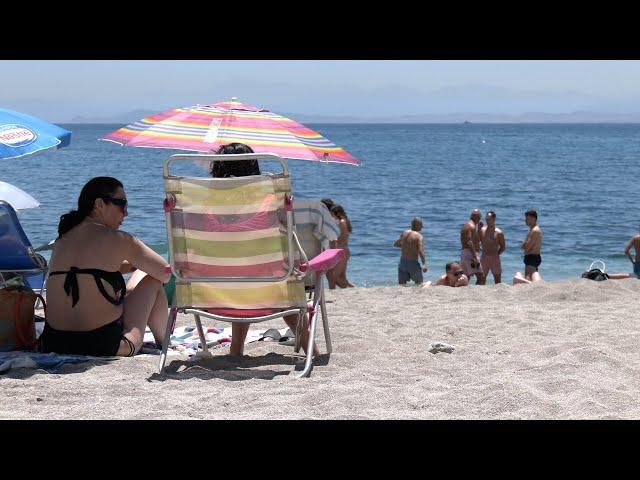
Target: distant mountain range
{"x":529,"y":117}
{"x":128,"y":117}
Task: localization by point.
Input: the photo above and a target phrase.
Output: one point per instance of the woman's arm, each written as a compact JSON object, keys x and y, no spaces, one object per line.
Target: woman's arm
{"x":143,"y":258}
{"x":398,"y":242}
{"x":627,"y":250}
{"x":501,"y":243}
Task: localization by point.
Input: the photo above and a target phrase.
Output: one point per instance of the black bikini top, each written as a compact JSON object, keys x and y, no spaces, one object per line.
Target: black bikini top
{"x":115,"y":279}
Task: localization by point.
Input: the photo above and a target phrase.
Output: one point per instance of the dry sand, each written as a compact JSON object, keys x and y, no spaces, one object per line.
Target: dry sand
{"x":551,"y":350}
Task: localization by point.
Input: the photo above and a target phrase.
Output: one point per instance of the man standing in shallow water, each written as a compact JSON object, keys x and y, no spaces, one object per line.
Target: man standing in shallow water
{"x":635,"y":244}
{"x":532,"y":246}
{"x":412,"y":244}
{"x":470,"y":241}
{"x":493,"y":245}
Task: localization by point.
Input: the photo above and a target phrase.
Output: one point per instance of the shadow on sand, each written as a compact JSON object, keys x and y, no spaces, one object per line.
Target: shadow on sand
{"x":227,"y":367}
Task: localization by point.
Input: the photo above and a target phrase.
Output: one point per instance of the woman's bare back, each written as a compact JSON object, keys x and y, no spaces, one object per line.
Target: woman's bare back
{"x":343,"y":239}
{"x":88,"y":246}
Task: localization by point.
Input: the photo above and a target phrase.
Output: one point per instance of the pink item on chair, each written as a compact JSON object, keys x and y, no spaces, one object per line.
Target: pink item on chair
{"x":288,"y":203}
{"x":169,"y":204}
{"x":325,"y":261}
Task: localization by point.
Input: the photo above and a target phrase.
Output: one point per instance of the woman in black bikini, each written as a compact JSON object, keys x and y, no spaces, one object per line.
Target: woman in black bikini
{"x":90,"y":309}
{"x":338,"y":274}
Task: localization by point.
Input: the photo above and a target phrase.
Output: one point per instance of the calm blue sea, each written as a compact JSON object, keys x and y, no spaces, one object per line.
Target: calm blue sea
{"x":582,"y":180}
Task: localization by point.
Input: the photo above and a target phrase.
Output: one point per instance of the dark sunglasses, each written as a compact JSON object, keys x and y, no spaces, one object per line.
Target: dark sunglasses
{"x":120,"y":202}
{"x":458,"y":273}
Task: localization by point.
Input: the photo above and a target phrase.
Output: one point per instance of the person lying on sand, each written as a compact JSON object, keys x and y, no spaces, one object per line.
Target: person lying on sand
{"x":607,"y":276}
{"x":598,"y":274}
{"x":453,"y":277}
{"x":518,"y":278}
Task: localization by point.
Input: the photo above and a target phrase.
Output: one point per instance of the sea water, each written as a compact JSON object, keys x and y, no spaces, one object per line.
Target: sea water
{"x":581,"y":179}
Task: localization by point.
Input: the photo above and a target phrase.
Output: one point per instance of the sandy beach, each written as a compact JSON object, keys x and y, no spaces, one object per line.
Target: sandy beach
{"x":551,"y":350}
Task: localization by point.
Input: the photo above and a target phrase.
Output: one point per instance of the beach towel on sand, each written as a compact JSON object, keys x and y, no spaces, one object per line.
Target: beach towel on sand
{"x":51,"y":362}
{"x":185,"y":340}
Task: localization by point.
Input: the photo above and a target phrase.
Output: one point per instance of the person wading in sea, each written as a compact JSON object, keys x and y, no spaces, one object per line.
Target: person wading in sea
{"x":493,"y":245}
{"x":412,"y":244}
{"x":470,"y":242}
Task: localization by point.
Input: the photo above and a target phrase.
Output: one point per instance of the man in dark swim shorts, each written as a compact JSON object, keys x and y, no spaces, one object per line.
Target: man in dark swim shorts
{"x":532,"y":246}
{"x":412,"y":244}
{"x":533,"y":260}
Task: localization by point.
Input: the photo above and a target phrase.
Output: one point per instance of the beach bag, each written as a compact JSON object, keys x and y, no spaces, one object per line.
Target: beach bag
{"x":17,"y":318}
{"x":596,"y":274}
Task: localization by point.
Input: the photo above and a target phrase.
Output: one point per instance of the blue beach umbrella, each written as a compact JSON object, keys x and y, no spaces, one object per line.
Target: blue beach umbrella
{"x":22,"y":134}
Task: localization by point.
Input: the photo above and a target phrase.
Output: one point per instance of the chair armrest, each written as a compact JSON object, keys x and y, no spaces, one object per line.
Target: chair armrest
{"x":46,"y":246}
{"x":324,"y":261}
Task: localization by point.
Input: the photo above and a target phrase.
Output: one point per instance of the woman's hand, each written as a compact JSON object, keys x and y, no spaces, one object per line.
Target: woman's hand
{"x":127,"y":267}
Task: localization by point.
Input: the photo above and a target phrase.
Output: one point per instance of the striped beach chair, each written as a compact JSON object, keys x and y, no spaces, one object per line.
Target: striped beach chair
{"x":234,"y":252}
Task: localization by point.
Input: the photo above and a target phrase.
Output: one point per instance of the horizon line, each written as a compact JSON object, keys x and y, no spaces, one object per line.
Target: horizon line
{"x":583,"y":122}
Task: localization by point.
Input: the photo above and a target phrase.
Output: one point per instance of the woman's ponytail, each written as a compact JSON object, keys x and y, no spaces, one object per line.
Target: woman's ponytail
{"x":69,"y":220}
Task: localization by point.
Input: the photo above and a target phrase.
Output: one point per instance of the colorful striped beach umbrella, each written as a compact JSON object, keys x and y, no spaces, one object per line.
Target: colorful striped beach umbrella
{"x":204,"y":128}
{"x":22,"y":134}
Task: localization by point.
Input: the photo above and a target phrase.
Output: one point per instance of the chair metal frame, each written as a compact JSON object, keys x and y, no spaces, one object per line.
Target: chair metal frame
{"x":318,"y":305}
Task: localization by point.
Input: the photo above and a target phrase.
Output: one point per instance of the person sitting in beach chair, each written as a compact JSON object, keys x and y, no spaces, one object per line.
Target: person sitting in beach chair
{"x":90,"y":309}
{"x":453,"y":277}
{"x":231,"y":247}
{"x":228,"y":169}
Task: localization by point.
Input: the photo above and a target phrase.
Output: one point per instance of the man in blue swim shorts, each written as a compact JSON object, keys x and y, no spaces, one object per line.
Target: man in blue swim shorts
{"x":412,"y":244}
{"x":635,"y":259}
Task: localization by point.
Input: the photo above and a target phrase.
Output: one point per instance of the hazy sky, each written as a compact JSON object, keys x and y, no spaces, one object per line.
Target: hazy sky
{"x":60,"y":90}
